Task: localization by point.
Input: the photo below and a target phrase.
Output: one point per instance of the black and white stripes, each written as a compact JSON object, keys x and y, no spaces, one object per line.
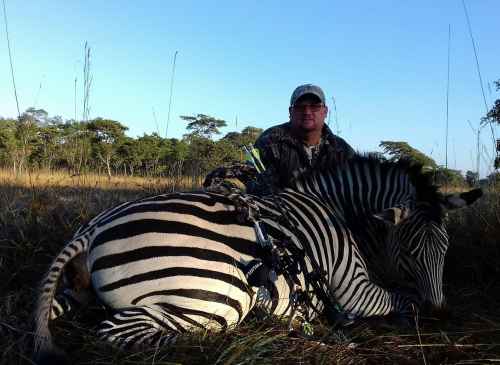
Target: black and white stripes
{"x":176,"y":262}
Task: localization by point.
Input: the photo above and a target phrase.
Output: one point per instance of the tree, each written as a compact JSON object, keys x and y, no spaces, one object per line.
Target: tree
{"x":252,"y":133}
{"x":224,"y":152}
{"x":237,"y":140}
{"x":38,"y":116}
{"x":129,"y":153}
{"x":494,"y":178}
{"x":248,"y":136}
{"x":203,"y":125}
{"x":180,"y":150}
{"x":199,"y":154}
{"x":471,"y":178}
{"x":448,"y":177}
{"x":37,"y":139}
{"x":27,"y":134}
{"x":9,"y":144}
{"x":48,"y":147}
{"x":493,"y":116}
{"x":107,"y":135}
{"x":174,"y":162}
{"x":153,"y":148}
{"x":402,"y":150}
{"x":76,"y":146}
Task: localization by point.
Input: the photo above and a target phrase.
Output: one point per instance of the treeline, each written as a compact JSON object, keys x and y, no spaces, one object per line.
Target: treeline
{"x":443,"y":176}
{"x":37,"y":141}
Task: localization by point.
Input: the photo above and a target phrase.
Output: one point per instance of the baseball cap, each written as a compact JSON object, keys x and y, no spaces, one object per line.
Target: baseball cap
{"x":307,"y":89}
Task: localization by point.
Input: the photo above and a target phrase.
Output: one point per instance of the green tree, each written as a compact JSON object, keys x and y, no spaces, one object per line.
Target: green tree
{"x":129,"y":153}
{"x":76,"y":147}
{"x":224,"y":152}
{"x":27,"y":135}
{"x":493,"y":116}
{"x":38,"y":116}
{"x":471,"y":178}
{"x":179,"y":149}
{"x":175,"y":161}
{"x":494,"y":178}
{"x":48,"y":147}
{"x":199,"y":155}
{"x":107,"y":135}
{"x":248,"y":136}
{"x":153,"y":149}
{"x":203,"y":125}
{"x":448,"y":177}
{"x":402,"y":150}
{"x":237,"y":140}
{"x":9,"y":144}
{"x":40,"y":137}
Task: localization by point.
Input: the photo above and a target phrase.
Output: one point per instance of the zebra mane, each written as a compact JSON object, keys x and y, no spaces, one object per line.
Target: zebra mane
{"x":426,"y":190}
{"x":422,"y":180}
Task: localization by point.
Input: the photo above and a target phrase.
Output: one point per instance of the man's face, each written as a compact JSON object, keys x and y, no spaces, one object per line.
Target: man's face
{"x":308,"y":114}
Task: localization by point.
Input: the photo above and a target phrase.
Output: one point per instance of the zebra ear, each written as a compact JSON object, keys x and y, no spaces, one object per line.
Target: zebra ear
{"x":392,"y":215}
{"x":459,"y":200}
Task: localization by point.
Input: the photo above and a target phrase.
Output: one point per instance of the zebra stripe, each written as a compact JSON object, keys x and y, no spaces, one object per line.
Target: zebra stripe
{"x":43,"y":339}
{"x":176,"y":262}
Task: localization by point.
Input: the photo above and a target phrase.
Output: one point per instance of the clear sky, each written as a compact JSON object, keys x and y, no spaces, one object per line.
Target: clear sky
{"x":384,"y":62}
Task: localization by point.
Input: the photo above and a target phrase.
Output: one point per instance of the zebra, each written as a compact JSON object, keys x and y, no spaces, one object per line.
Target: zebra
{"x":410,"y":252}
{"x":178,"y":262}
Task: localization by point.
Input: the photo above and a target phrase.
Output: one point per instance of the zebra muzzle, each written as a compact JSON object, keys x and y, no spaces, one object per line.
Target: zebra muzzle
{"x":439,"y":312}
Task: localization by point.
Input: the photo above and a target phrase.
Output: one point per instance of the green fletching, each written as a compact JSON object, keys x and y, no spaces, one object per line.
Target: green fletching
{"x":307,"y":329}
{"x":252,"y":155}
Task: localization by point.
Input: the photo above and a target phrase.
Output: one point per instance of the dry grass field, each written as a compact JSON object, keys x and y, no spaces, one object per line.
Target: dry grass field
{"x":39,"y":213}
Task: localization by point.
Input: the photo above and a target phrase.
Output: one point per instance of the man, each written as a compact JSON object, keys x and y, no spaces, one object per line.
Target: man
{"x":287,"y":150}
{"x":303,"y":143}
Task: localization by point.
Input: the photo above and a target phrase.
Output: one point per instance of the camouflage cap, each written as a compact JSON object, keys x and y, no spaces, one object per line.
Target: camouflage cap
{"x":307,"y":89}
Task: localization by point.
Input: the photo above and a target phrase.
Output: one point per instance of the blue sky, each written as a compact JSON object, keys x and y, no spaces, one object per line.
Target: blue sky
{"x":384,"y":62}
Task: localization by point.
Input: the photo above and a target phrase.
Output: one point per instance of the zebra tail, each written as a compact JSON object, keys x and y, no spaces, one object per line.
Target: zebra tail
{"x":44,"y":349}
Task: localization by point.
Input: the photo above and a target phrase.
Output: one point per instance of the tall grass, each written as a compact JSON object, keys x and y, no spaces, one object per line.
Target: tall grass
{"x":40,"y":212}
{"x":53,"y":179}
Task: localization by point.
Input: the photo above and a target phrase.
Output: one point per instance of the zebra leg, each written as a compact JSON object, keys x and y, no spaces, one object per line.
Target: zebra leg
{"x":139,"y":327}
{"x":373,"y":300}
{"x":70,"y":300}
{"x":78,"y":292}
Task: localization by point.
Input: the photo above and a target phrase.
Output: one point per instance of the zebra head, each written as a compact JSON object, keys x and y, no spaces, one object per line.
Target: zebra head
{"x":419,"y":242}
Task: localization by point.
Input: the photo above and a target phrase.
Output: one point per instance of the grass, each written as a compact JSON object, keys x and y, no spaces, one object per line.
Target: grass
{"x":39,"y":213}
{"x":58,"y":179}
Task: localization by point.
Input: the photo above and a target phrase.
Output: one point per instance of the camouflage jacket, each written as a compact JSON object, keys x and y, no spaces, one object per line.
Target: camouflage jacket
{"x":285,"y":157}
